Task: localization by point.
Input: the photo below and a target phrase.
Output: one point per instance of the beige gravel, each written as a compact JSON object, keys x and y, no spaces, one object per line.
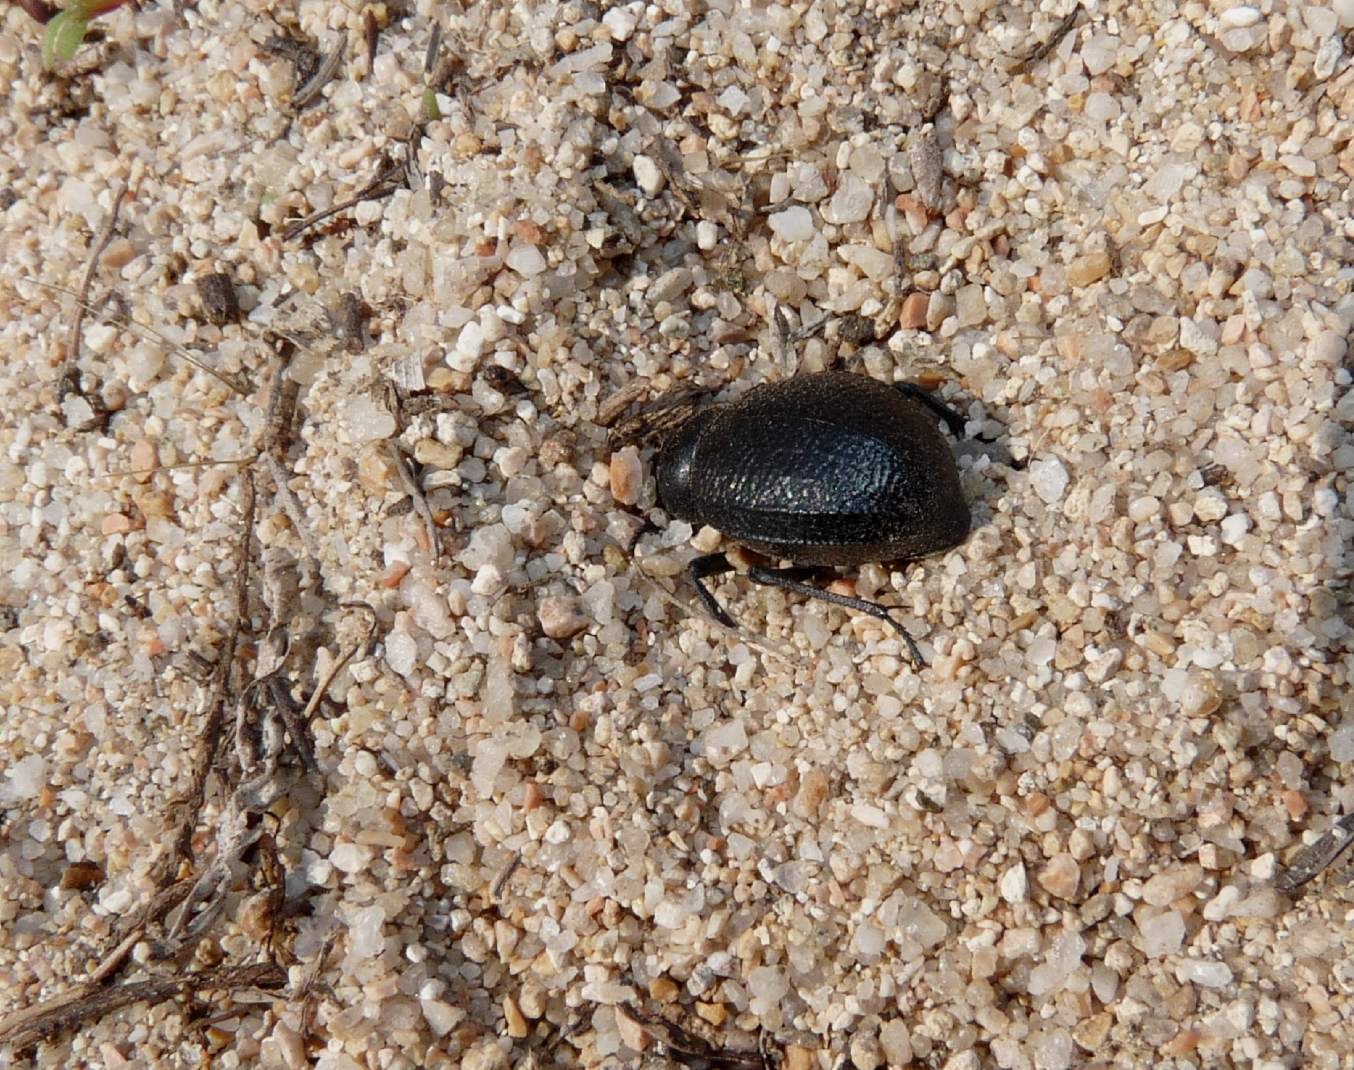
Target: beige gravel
{"x":555,"y":803}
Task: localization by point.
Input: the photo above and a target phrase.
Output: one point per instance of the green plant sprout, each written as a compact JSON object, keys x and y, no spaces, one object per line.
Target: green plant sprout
{"x":67,"y":28}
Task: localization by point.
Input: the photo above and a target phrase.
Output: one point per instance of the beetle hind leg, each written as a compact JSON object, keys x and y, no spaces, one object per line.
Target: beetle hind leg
{"x":698,"y":570}
{"x":951,"y":419}
{"x":788,"y":579}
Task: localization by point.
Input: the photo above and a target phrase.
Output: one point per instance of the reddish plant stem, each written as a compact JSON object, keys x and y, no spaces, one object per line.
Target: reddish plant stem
{"x":38,"y":10}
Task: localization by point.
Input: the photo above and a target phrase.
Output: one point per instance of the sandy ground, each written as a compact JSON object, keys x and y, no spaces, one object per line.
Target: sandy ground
{"x":550,"y":814}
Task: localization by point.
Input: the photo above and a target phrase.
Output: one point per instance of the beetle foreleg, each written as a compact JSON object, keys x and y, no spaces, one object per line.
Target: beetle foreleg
{"x":952,"y":419}
{"x":785,"y":579}
{"x":698,"y":570}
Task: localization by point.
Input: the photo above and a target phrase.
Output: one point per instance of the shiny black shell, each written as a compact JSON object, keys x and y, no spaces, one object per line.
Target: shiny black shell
{"x":825,"y":469}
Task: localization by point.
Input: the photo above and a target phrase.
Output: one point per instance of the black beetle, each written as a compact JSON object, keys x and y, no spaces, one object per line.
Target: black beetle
{"x":827,"y":469}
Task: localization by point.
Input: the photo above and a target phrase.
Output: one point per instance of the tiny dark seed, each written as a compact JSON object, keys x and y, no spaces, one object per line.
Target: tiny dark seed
{"x":219,"y":303}
{"x":502,"y":380}
{"x":1214,"y":475}
{"x":856,"y":330}
{"x":352,"y":315}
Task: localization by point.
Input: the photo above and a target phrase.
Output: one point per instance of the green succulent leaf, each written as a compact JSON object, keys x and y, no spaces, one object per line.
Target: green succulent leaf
{"x":62,"y":37}
{"x":431,"y":111}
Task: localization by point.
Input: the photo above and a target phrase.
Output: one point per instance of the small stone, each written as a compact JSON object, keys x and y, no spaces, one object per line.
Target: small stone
{"x":1234,"y":528}
{"x":1087,"y":269}
{"x":1239,"y":17}
{"x":1169,"y":179}
{"x":663,"y":989}
{"x":115,"y":524}
{"x":1181,"y":513}
{"x":714,"y":1013}
{"x":1265,"y":903}
{"x":118,"y":254}
{"x":1014,"y":885}
{"x":896,"y":1041}
{"x":1209,"y":505}
{"x":401,"y":652}
{"x":938,"y":309}
{"x":620,"y":23}
{"x":913,"y":211}
{"x":531,"y":999}
{"x":1328,"y":347}
{"x":441,"y":1016}
{"x":799,"y":1058}
{"x":1061,"y":876}
{"x":525,"y":259}
{"x":767,"y":986}
{"x":291,"y":1046}
{"x":1162,"y":934}
{"x":1204,"y":973}
{"x":486,"y":1055}
{"x":913,"y":315}
{"x":1175,"y":883}
{"x":1295,"y":803}
{"x":1090,"y":1033}
{"x":918,"y":922}
{"x":648,"y":175}
{"x":670,"y":285}
{"x":971,"y":305}
{"x":851,"y":202}
{"x":793,"y":224}
{"x":865,"y":1053}
{"x":869,"y":940}
{"x":733,"y":100}
{"x":366,"y":421}
{"x":1200,"y":697}
{"x":870,"y":816}
{"x":1099,"y":52}
{"x":927,"y":166}
{"x":1049,"y":479}
{"x":627,"y":475}
{"x":873,"y":263}
{"x":1341,"y":743}
{"x":348,"y":857}
{"x":633,"y":1035}
{"x":516,"y":1021}
{"x":394,"y":573}
{"x":813,"y":789}
{"x":1141,"y":510}
{"x":1199,"y":336}
{"x":1096,"y":909}
{"x":144,"y":459}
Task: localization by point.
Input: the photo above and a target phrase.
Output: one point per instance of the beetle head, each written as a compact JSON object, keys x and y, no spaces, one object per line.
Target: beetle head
{"x":675,"y":464}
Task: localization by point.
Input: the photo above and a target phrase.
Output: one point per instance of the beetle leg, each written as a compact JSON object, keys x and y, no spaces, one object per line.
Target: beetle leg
{"x":711,"y":565}
{"x":952,"y":419}
{"x":640,"y":532}
{"x":785,"y":579}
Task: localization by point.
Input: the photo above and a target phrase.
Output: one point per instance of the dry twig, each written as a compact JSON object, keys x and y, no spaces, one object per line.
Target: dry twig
{"x":90,"y":1002}
{"x":386,"y":182}
{"x":70,"y":373}
{"x":1044,"y":48}
{"x":410,"y":487}
{"x":204,"y":757}
{"x":1317,"y":857}
{"x":121,"y":318}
